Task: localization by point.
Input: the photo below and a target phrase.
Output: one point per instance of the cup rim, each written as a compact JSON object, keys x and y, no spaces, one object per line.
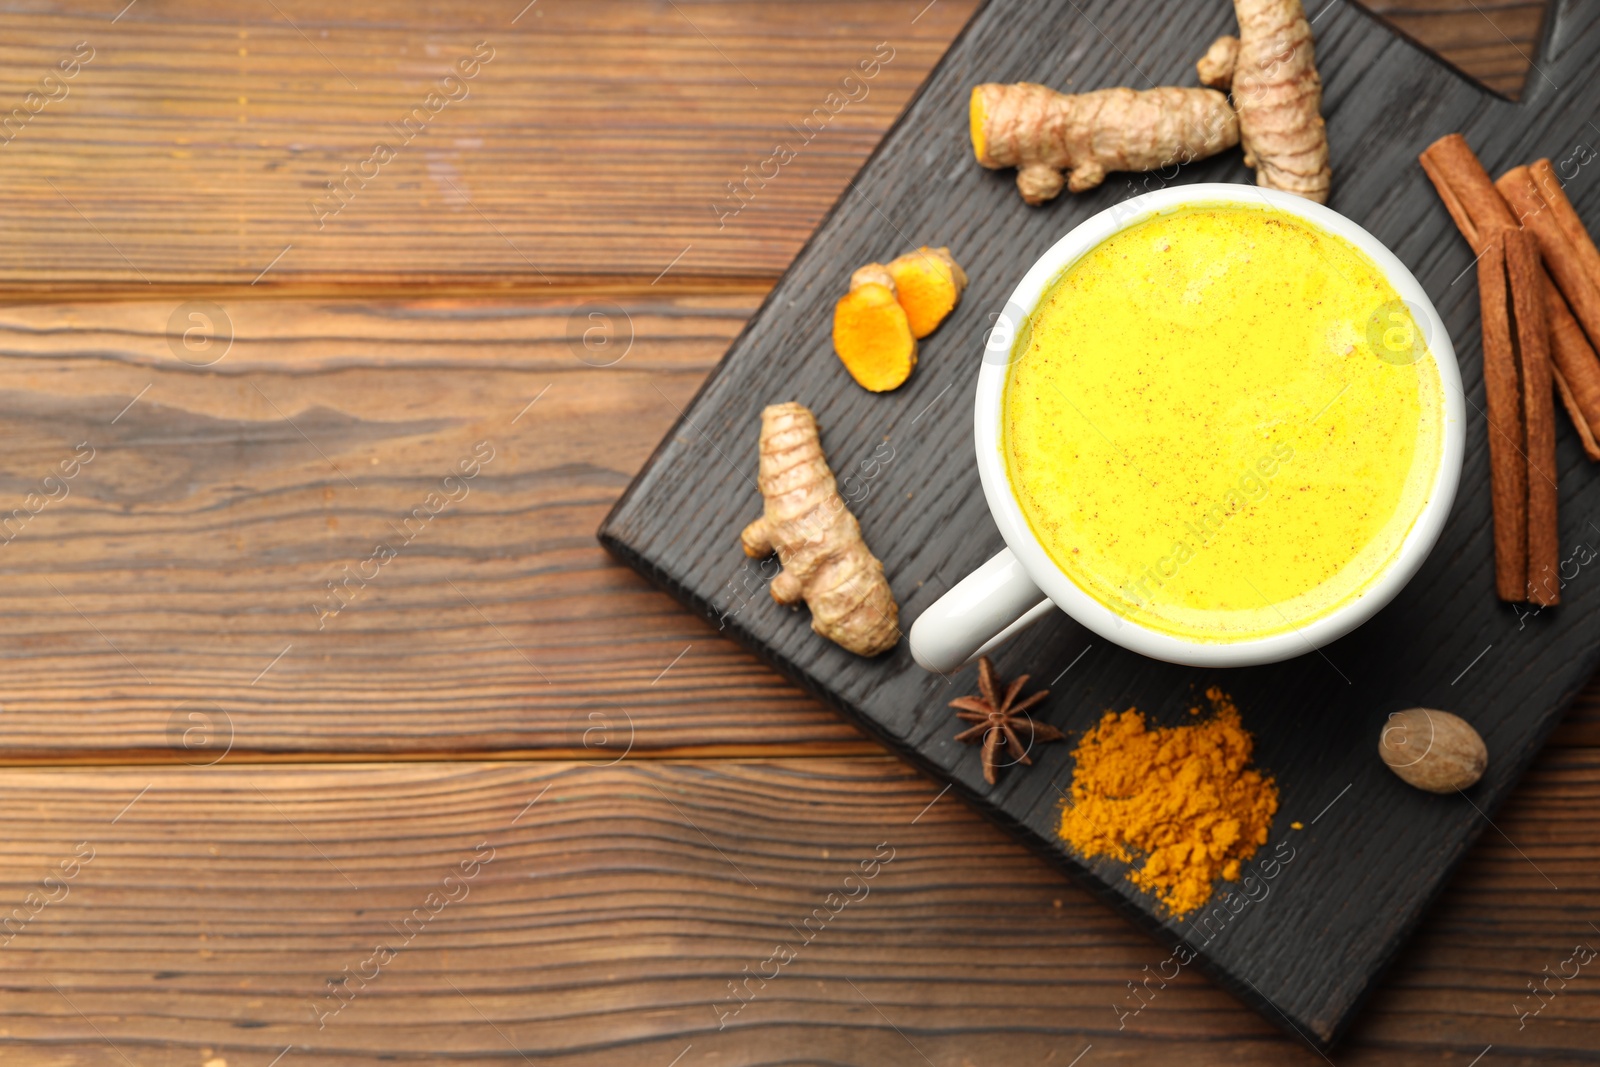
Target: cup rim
{"x":1094,"y":615}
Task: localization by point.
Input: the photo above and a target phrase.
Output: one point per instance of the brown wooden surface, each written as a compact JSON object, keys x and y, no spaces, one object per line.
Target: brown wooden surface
{"x":1495,"y":41}
{"x":206,"y":528}
{"x":619,"y":902}
{"x":502,"y":642}
{"x":595,"y":141}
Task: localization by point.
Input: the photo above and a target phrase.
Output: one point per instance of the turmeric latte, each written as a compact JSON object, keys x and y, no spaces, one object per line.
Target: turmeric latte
{"x":1222,"y":422}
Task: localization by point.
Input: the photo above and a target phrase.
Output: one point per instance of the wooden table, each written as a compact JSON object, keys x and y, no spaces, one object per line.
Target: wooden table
{"x":318,"y":751}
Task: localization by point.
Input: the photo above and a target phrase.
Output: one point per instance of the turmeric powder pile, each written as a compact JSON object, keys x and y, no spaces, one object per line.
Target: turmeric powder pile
{"x":1178,"y":802}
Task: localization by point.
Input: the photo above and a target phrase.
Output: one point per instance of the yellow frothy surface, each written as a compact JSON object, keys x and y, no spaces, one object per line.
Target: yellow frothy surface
{"x":1222,"y":422}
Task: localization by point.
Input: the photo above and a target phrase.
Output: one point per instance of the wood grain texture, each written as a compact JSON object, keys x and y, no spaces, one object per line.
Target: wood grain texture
{"x":1582,"y":724}
{"x":198,"y":542}
{"x":1314,"y":718}
{"x":1498,"y":42}
{"x":198,"y":539}
{"x":599,"y":139}
{"x":616,"y":905}
{"x":214,"y":912}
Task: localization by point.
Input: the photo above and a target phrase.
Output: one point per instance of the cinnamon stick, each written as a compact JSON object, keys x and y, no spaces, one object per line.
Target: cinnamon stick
{"x":1575,"y":369}
{"x":1591,"y":447}
{"x":1508,"y":469}
{"x":1484,"y":219}
{"x":1566,"y":216}
{"x":1560,"y":258}
{"x":1530,"y":338}
{"x":1572,"y":352}
{"x":1469,"y":195}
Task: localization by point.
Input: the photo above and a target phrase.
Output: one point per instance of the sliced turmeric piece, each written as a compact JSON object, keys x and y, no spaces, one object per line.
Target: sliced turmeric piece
{"x":928,"y":284}
{"x":871,"y":332}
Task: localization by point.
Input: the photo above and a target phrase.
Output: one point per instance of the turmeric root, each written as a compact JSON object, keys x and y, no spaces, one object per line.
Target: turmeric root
{"x":1278,"y":95}
{"x":825,"y":561}
{"x":1042,"y":132}
{"x":928,"y":283}
{"x":871,"y":332}
{"x":1216,"y":66}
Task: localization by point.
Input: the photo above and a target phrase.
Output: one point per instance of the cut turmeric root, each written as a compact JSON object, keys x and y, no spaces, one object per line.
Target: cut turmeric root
{"x":872,"y":333}
{"x":1042,"y":132}
{"x":928,"y":284}
{"x":818,"y":541}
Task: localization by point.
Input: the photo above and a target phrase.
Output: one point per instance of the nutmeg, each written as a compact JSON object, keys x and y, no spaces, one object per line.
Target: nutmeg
{"x":1432,"y":749}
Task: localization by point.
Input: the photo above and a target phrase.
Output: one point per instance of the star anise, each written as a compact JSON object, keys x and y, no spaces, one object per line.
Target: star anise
{"x":998,"y":720}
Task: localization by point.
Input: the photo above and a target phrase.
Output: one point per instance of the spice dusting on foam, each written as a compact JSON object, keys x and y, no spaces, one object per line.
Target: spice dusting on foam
{"x":1181,"y":803}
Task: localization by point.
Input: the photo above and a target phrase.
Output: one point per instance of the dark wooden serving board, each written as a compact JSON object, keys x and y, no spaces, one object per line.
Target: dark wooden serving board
{"x":1373,"y":852}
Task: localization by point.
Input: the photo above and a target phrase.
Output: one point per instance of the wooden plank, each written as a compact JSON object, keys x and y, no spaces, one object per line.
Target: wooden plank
{"x":1315,"y":720}
{"x":1582,"y":724}
{"x":200,"y":535}
{"x":1496,"y":43}
{"x":598,"y":137}
{"x":153,"y":593}
{"x":612,"y":907}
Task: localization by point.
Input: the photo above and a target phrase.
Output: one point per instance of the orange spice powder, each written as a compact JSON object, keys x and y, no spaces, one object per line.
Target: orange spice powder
{"x":1180,"y":803}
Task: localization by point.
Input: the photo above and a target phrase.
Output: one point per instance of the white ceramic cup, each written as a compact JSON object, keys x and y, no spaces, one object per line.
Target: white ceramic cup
{"x":1023,"y":584}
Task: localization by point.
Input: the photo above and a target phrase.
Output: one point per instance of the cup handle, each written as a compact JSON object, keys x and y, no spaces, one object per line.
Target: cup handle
{"x":985,"y":609}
